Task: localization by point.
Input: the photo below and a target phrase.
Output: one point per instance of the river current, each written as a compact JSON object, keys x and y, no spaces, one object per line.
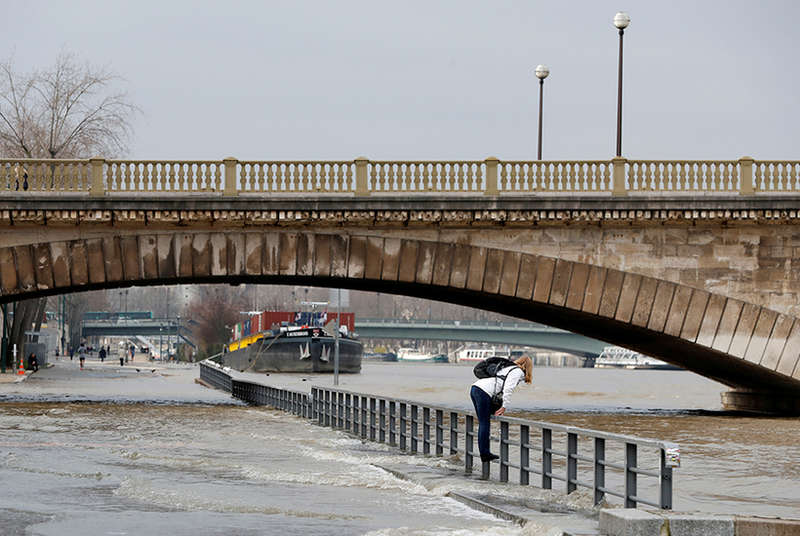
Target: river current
{"x":110,"y":451}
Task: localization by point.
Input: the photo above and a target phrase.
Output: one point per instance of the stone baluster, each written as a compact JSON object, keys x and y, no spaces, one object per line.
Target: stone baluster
{"x":746,"y":176}
{"x":491,"y":176}
{"x":231,"y":188}
{"x":618,"y":176}
{"x":97,"y":188}
{"x":361,"y":176}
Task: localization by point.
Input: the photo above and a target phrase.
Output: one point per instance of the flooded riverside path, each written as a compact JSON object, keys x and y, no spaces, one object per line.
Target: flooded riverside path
{"x":111,"y":451}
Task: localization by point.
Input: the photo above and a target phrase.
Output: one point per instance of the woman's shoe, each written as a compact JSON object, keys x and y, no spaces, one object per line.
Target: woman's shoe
{"x":489,"y":457}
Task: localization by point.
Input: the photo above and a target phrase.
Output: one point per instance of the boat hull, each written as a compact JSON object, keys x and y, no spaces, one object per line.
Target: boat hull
{"x":296,"y":354}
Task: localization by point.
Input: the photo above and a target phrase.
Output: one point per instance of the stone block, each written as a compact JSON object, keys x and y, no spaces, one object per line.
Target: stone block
{"x":545,"y":268}
{"x":477,"y":268}
{"x":305,"y":254}
{"x":527,"y":276}
{"x":287,"y":254}
{"x":758,"y":526}
{"x":560,"y":285}
{"x":426,"y":260}
{"x":494,"y":271}
{"x":629,"y":522}
{"x":356,"y":262}
{"x":627,"y":297}
{"x":408,"y":261}
{"x":510,"y":275}
{"x":594,"y":289}
{"x":577,"y":285}
{"x":700,"y":525}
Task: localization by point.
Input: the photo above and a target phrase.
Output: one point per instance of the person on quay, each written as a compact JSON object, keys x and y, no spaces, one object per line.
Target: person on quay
{"x":33,"y":362}
{"x":102,"y":354}
{"x":482,"y":391}
{"x":82,"y":353}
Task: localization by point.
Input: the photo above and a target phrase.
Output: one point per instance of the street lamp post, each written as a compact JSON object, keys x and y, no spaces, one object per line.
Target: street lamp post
{"x":541,"y":73}
{"x":621,"y":21}
{"x":336,"y":338}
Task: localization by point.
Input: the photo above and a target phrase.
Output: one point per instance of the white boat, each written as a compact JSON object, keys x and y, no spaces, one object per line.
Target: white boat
{"x":473,"y":354}
{"x":618,"y":357}
{"x":413,"y":354}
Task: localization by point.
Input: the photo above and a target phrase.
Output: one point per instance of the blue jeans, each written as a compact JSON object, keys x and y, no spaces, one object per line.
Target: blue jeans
{"x":483,"y":407}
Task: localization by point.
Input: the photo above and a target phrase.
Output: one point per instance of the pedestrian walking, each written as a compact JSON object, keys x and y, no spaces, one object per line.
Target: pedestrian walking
{"x":71,"y":352}
{"x":133,"y":351}
{"x":82,"y":354}
{"x":491,"y":394}
{"x":102,"y":354}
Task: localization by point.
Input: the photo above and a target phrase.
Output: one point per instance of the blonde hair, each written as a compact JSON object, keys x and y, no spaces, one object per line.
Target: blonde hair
{"x":526,"y":364}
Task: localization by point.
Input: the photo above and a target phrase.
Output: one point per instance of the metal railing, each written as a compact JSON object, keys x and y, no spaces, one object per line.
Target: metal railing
{"x":608,"y":464}
{"x":361,"y":177}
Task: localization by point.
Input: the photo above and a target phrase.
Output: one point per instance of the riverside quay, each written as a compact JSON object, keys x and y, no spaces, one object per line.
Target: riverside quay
{"x":692,"y":262}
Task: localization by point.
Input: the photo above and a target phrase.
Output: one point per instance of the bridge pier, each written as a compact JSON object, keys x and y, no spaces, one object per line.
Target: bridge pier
{"x":765,"y":402}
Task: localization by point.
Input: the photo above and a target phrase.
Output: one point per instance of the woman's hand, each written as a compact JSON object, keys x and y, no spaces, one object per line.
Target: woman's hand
{"x":500,"y":411}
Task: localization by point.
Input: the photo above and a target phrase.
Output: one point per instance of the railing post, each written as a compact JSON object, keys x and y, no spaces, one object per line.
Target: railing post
{"x":599,"y":469}
{"x":327,"y":404}
{"x":503,"y":451}
{"x":426,"y":430}
{"x":630,"y":475}
{"x":469,"y":442}
{"x":382,"y":421}
{"x":665,"y":483}
{"x":372,"y":419}
{"x":351,"y":423}
{"x":618,"y":187}
{"x":572,"y":462}
{"x":746,"y":186}
{"x":231,"y":177}
{"x":392,"y":423}
{"x":361,"y":176}
{"x":524,"y":454}
{"x":363,"y":418}
{"x":491,"y":176}
{"x":403,"y":413}
{"x":97,"y":188}
{"x":453,"y":432}
{"x":547,"y":458}
{"x":340,"y":405}
{"x":439,"y":432}
{"x":414,"y":428}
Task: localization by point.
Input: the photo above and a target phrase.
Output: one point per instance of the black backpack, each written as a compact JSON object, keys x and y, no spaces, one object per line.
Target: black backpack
{"x":488,"y":368}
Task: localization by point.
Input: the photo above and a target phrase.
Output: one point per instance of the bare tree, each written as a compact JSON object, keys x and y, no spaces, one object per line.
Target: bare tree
{"x":69,"y":110}
{"x":214,"y":310}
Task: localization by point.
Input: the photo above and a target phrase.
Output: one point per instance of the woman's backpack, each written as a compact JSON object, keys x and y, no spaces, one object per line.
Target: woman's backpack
{"x":488,"y":368}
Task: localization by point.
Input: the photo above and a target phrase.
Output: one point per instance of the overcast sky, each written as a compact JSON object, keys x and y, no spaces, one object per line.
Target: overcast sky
{"x":434,"y":79}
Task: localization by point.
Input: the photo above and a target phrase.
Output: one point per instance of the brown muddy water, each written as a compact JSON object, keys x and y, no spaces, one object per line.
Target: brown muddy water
{"x":109,"y":451}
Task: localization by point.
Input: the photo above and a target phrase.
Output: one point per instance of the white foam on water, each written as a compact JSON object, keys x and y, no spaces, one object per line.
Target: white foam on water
{"x":446,"y":531}
{"x":365,"y":477}
{"x":142,"y":490}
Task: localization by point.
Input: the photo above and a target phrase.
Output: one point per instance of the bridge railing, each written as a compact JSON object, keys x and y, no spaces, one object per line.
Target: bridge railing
{"x":362,"y":177}
{"x":608,"y":464}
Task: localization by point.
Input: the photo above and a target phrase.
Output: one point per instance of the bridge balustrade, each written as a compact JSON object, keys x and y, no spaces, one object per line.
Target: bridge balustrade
{"x":360,"y":177}
{"x":608,"y":464}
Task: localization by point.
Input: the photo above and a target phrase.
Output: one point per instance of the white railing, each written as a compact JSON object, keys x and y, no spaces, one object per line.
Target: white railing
{"x":363,"y":177}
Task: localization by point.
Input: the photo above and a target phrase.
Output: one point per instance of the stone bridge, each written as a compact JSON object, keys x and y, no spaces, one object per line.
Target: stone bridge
{"x":691,"y":262}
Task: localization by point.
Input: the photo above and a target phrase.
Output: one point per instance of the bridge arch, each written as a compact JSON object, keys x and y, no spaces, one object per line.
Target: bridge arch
{"x":753,"y":349}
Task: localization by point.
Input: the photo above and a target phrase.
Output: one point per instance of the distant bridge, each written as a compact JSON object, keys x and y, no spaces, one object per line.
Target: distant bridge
{"x":511,"y":333}
{"x":134,"y":328}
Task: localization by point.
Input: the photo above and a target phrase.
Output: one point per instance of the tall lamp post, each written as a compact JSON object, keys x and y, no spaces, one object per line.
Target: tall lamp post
{"x":541,"y":73}
{"x":621,"y":21}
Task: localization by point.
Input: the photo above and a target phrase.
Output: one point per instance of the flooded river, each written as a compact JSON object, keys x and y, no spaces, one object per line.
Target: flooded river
{"x":105,"y":451}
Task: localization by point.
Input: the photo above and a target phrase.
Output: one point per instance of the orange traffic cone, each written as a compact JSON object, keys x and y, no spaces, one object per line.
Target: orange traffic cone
{"x":21,"y":371}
